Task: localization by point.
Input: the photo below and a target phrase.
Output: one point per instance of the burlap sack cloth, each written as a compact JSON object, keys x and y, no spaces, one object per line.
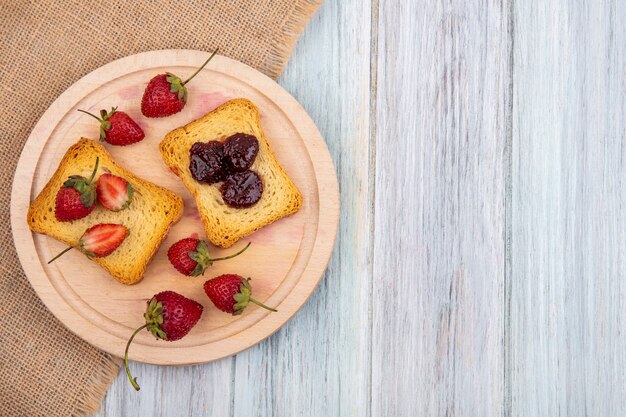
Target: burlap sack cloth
{"x":45,"y":370}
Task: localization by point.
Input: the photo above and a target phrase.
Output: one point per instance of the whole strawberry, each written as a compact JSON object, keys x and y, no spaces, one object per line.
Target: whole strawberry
{"x":231,"y":293}
{"x":190,"y":256}
{"x":169,"y":316}
{"x":117,"y":127}
{"x":166,"y":94}
{"x":99,"y":240}
{"x":77,"y":197}
{"x":114,"y":193}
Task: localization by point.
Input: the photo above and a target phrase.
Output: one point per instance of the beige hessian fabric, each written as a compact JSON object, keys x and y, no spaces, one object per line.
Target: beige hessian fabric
{"x":45,"y":47}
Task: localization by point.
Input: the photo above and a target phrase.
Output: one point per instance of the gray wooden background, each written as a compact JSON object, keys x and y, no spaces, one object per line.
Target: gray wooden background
{"x":480,"y":267}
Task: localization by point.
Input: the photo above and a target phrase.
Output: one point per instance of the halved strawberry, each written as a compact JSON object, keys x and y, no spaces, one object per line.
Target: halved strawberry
{"x":114,"y":193}
{"x":102,"y":239}
{"x":99,"y":240}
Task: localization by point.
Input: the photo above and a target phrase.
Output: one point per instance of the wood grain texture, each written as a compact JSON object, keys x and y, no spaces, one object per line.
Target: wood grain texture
{"x":568,"y":232}
{"x":439,"y":250}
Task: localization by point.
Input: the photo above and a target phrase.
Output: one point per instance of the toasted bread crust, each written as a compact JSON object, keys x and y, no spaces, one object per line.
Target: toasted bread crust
{"x":149,"y":217}
{"x":225,"y":225}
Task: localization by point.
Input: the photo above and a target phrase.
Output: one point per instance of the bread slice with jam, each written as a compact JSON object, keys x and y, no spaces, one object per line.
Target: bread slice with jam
{"x":224,"y":225}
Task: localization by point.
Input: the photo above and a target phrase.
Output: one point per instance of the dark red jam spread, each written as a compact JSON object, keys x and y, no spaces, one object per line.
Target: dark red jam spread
{"x":230,"y":162}
{"x":206,"y":162}
{"x":242,"y":189}
{"x":240,"y":150}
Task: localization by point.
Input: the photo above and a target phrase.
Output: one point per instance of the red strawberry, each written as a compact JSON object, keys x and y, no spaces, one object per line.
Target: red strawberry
{"x":117,"y":128}
{"x":99,"y":240}
{"x":114,"y":193}
{"x":77,"y":197}
{"x":231,"y":293}
{"x":166,"y":94}
{"x":169,"y":316}
{"x":191,"y":256}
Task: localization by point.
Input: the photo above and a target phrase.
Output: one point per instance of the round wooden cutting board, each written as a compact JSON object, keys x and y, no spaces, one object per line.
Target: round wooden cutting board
{"x":285,"y":261}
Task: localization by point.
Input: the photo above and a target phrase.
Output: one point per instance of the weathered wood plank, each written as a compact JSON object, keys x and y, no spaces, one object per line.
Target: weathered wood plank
{"x":172,"y":391}
{"x":568,"y":236}
{"x":441,"y":134}
{"x":318,"y":364}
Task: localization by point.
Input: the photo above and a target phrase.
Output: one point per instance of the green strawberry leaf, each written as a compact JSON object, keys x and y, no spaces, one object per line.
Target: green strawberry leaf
{"x":177,"y":86}
{"x":242,"y":298}
{"x":129,"y":197}
{"x":198,"y":270}
{"x":203,"y":248}
{"x":195,"y":256}
{"x":88,"y":196}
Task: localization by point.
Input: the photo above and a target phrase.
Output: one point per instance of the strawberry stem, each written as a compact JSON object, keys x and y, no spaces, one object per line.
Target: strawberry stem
{"x":63,"y":252}
{"x":231,"y":256}
{"x":200,"y":69}
{"x":92,"y":115}
{"x":132,"y":380}
{"x":260,"y":304}
{"x":95,"y":169}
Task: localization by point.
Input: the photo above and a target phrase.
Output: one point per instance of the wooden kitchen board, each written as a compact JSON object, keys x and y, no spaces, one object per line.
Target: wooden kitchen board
{"x":285,"y":260}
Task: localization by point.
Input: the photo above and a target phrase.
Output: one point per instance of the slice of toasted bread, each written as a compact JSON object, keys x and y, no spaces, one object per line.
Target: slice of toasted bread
{"x":148,"y":218}
{"x":225,"y":225}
